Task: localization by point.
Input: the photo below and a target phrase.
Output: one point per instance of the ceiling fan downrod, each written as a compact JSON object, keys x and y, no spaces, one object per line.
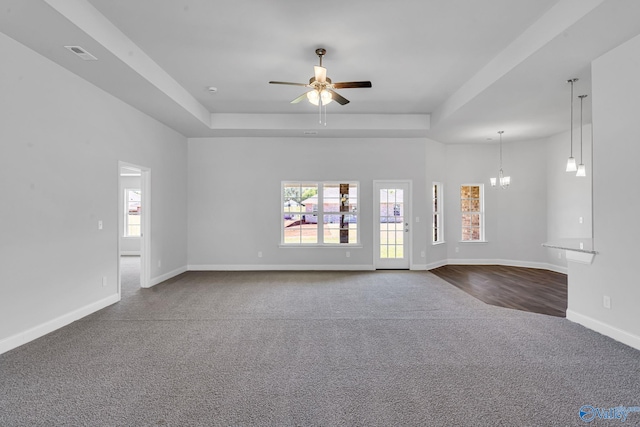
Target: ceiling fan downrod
{"x":321,"y":52}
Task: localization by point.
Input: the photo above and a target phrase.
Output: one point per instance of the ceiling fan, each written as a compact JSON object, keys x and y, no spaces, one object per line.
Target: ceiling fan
{"x":322,"y":89}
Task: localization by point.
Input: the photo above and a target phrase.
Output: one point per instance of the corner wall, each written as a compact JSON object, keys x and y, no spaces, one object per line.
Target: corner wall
{"x":59,"y":150}
{"x":515,"y":218}
{"x":615,"y":177}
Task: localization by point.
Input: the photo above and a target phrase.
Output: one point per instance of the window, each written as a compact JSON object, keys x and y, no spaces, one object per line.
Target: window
{"x":132,"y":207}
{"x":471,"y":208}
{"x":334,"y":203}
{"x":436,"y":203}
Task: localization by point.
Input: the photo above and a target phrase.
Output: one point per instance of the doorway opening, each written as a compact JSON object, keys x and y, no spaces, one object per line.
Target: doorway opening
{"x":133,"y":228}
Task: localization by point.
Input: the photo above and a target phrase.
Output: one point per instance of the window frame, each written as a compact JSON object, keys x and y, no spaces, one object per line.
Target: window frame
{"x":437,"y":208}
{"x":481,"y":213}
{"x":320,"y":213}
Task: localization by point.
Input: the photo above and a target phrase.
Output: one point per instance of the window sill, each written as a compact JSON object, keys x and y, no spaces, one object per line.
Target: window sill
{"x":438,"y":243}
{"x":335,"y":246}
{"x":473,"y":241}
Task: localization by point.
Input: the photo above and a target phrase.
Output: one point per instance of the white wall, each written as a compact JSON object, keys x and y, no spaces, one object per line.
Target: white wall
{"x":515,"y":221}
{"x":60,"y":144}
{"x":616,"y":151}
{"x":234,"y":196}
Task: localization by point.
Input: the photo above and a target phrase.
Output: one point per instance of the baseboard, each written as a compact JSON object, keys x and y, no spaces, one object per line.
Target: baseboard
{"x":43,"y":329}
{"x":508,"y":263}
{"x":436,"y":264}
{"x":418,"y":267}
{"x":610,"y":331}
{"x":270,"y":267}
{"x":156,"y":280}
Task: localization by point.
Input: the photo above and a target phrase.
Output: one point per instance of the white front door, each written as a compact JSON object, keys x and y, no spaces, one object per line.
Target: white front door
{"x":391,"y":224}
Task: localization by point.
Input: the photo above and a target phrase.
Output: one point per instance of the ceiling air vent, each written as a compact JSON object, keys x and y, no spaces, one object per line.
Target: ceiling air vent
{"x":82,"y":53}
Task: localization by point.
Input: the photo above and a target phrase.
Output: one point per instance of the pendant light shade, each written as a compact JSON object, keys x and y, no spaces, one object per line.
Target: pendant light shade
{"x":581,"y":169}
{"x":571,"y":163}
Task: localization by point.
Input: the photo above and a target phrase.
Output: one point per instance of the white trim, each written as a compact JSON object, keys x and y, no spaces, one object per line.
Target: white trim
{"x":45,"y":328}
{"x":605,"y":329}
{"x":277,"y":267}
{"x":159,"y":279}
{"x":418,"y":267}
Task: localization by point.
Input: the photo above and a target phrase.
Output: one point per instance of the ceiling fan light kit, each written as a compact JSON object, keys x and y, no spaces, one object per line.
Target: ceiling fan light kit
{"x":322,"y":88}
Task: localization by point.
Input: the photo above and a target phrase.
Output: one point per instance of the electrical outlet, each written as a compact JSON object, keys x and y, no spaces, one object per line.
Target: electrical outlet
{"x":606,"y":302}
{"x":559,"y":255}
{"x":348,"y":254}
{"x":423,"y":254}
{"x":417,"y":219}
{"x":104,"y":281}
{"x":259,"y":254}
{"x":159,"y":263}
{"x":99,"y":224}
{"x":580,"y":220}
{"x":457,"y":249}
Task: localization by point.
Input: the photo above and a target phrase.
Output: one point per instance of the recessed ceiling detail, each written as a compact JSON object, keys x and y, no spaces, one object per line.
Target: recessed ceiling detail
{"x":449,"y":71}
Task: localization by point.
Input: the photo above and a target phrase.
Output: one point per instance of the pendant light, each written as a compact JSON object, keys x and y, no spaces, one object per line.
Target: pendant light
{"x":504,"y":181}
{"x":581,"y":169}
{"x":571,"y":163}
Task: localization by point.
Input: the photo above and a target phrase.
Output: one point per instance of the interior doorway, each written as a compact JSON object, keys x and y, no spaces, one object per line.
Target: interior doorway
{"x":133,"y":227}
{"x":392,"y":237}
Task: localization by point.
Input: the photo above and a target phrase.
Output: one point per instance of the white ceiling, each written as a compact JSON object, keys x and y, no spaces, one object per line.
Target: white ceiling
{"x":453,"y":70}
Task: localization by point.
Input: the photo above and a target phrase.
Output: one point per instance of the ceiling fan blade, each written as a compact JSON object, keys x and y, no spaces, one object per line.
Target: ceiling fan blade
{"x":288,"y":83}
{"x":320,"y":73}
{"x":347,"y":85}
{"x":337,"y":97}
{"x":300,"y":98}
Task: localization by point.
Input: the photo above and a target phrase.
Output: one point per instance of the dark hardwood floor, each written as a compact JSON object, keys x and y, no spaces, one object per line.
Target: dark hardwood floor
{"x":527,"y":289}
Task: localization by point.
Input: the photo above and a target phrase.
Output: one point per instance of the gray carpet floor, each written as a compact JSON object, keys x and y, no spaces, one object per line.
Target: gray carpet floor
{"x":384,"y":348}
